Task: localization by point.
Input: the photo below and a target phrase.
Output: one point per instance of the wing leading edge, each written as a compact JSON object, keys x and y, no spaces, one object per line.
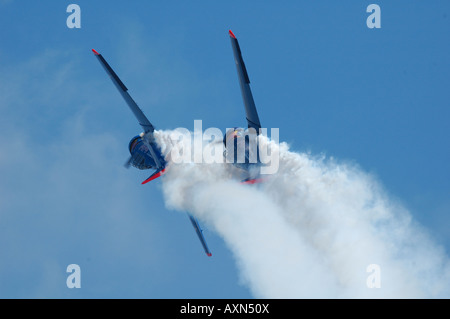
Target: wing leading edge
{"x":244,"y":82}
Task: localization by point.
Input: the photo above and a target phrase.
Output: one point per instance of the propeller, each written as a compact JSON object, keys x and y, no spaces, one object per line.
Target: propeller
{"x":128,"y":162}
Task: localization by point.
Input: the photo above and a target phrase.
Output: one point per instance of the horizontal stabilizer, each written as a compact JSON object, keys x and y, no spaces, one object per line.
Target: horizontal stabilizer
{"x":253,"y":180}
{"x":155,"y":175}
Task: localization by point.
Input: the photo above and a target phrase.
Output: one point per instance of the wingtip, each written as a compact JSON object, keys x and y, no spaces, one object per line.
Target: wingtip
{"x":231,"y":34}
{"x":95,"y":52}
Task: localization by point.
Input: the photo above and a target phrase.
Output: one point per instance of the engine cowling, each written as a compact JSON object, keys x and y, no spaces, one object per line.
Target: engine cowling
{"x":132,"y":145}
{"x":140,"y":155}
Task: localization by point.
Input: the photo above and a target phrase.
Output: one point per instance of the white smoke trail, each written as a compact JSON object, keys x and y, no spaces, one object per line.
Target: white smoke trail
{"x":312,"y":229}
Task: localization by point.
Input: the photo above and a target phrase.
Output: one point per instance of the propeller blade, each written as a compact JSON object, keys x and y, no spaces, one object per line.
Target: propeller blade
{"x":128,"y":162}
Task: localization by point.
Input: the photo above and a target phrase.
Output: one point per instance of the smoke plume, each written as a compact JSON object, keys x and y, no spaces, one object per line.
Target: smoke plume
{"x":312,"y":230}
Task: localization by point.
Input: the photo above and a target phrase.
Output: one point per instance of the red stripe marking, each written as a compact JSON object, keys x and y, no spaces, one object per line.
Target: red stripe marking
{"x":231,"y":34}
{"x":95,"y":52}
{"x":253,"y":181}
{"x":153,"y":177}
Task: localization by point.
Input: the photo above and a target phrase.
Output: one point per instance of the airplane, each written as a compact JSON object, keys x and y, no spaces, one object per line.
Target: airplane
{"x":146,"y":154}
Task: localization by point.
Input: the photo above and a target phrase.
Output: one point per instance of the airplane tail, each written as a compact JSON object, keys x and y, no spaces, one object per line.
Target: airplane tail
{"x":155,"y":175}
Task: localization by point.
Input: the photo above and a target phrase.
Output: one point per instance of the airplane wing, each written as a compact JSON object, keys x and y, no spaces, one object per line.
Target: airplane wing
{"x":142,"y":119}
{"x":148,"y":137}
{"x":199,"y":232}
{"x":244,"y":81}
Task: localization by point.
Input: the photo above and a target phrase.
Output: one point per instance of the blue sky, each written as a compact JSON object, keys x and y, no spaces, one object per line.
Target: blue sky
{"x":375,"y":97}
